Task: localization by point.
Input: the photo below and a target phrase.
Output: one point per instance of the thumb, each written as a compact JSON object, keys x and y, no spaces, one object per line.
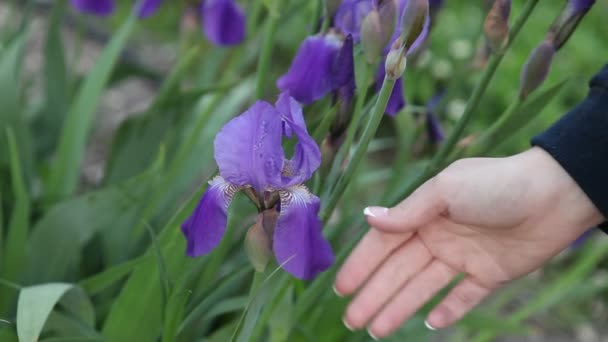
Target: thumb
{"x":420,"y":208}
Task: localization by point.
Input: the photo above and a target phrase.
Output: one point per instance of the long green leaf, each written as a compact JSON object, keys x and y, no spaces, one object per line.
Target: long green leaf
{"x":66,"y":169}
{"x":101,"y":281}
{"x":19,"y":224}
{"x":56,"y":85}
{"x":11,"y":111}
{"x":71,"y":224}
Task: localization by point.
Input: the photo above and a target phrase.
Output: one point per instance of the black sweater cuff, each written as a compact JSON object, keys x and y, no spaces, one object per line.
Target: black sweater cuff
{"x":579,"y":143}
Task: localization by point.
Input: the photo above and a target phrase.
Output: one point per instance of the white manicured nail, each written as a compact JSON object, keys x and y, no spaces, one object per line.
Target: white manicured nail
{"x":429,"y":326}
{"x":375,"y":211}
{"x":337,"y":292}
{"x":369,"y":332}
{"x":346,"y":325}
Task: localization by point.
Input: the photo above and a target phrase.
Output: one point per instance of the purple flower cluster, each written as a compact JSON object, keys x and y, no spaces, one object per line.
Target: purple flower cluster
{"x":250,"y":158}
{"x":313,"y":71}
{"x":223,"y":20}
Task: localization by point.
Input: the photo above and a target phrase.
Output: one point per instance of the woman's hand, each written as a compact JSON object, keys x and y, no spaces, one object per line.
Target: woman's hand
{"x":492,"y":219}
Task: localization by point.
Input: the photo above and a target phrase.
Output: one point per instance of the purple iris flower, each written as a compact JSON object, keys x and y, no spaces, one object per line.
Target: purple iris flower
{"x":350,"y":15}
{"x":223,"y":21}
{"x":318,"y":68}
{"x":95,"y":7}
{"x":102,"y":8}
{"x":250,"y":157}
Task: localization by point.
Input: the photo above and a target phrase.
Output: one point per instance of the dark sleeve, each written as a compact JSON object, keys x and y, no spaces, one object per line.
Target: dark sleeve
{"x":579,"y":142}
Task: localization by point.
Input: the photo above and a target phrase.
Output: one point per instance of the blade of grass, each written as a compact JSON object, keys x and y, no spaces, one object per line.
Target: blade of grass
{"x":65,"y":172}
{"x":16,"y":238}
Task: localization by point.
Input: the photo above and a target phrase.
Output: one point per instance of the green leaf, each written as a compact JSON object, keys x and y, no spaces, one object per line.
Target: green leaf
{"x":72,"y":223}
{"x":62,"y":324}
{"x":135,"y":314}
{"x":477,"y":320}
{"x":56,"y":85}
{"x":261,"y":290}
{"x":101,"y":281}
{"x":19,"y":224}
{"x":66,"y":169}
{"x":174,"y":313}
{"x":34,"y":307}
{"x":11,"y":111}
{"x":517,"y":117}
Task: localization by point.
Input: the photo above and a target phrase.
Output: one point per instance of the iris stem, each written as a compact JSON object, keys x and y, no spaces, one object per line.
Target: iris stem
{"x":370,"y":130}
{"x":440,"y":158}
{"x":266,"y":54}
{"x":354,"y":125}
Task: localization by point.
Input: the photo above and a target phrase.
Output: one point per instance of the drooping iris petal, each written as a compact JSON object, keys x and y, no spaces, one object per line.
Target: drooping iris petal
{"x":298,"y":243}
{"x":205,"y":228}
{"x":350,"y":15}
{"x":396,"y":101}
{"x":309,"y":77}
{"x":147,"y":8}
{"x":95,"y":7}
{"x":343,"y":72}
{"x":224,"y":22}
{"x":248,"y":148}
{"x":307,"y":156}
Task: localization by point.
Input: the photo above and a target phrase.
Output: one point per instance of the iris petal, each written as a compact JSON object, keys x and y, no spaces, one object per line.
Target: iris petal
{"x":223,"y":22}
{"x":298,"y":243}
{"x":205,"y":228}
{"x":147,"y":8}
{"x":307,"y":156}
{"x":350,"y":15}
{"x":309,"y":77}
{"x":248,"y":148}
{"x":95,"y":7}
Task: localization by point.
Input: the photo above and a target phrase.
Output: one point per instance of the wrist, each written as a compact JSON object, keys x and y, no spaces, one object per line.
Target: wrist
{"x":557,"y":190}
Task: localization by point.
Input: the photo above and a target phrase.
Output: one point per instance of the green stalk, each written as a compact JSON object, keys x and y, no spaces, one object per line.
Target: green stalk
{"x":366,"y":138}
{"x":353,"y":126}
{"x":480,"y":89}
{"x":266,"y":54}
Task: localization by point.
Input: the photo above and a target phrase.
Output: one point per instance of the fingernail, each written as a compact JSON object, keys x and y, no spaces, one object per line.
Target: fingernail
{"x":375,"y":211}
{"x":337,"y":292}
{"x":369,"y":332}
{"x":429,"y":326}
{"x":346,"y":325}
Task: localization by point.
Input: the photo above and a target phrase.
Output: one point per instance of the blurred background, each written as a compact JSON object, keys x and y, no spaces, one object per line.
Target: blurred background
{"x":148,"y":150}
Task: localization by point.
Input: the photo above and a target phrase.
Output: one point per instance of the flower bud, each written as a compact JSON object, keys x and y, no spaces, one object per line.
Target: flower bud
{"x":414,"y":23}
{"x":395,"y":64}
{"x":258,"y":246}
{"x":568,"y":21}
{"x":377,"y":29}
{"x":536,"y":68}
{"x":496,"y":25}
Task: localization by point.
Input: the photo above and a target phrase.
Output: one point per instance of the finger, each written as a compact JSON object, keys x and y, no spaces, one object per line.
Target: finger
{"x":420,"y":208}
{"x":411,"y":297}
{"x":404,"y":263}
{"x":461,"y":299}
{"x":365,"y":258}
